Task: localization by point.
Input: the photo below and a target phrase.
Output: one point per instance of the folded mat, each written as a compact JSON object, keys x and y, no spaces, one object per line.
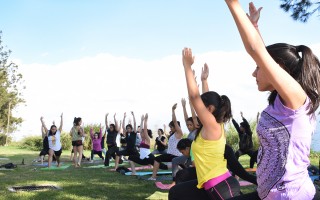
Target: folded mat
{"x":158,"y":195}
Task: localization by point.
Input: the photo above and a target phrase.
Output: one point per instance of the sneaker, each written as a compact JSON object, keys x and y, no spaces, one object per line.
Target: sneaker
{"x":151,"y":179}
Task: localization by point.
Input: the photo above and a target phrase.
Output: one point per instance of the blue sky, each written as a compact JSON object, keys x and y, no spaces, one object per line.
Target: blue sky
{"x":86,"y":58}
{"x":54,"y":31}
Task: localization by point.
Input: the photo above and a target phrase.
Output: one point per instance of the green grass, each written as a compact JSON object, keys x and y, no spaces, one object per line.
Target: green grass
{"x":76,"y":183}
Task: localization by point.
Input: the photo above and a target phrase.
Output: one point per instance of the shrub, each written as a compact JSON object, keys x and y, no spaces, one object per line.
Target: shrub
{"x":32,"y":143}
{"x":3,"y":139}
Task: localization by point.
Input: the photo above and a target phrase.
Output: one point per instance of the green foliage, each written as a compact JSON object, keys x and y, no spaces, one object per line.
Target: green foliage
{"x":65,"y":140}
{"x":3,"y":139}
{"x":10,"y":90}
{"x":300,"y":10}
{"x":33,"y":143}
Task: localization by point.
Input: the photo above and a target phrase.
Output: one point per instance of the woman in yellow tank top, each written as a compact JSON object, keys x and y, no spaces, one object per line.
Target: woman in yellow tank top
{"x":213,"y":178}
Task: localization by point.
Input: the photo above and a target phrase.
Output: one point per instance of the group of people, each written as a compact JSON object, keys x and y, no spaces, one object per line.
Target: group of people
{"x":292,"y":76}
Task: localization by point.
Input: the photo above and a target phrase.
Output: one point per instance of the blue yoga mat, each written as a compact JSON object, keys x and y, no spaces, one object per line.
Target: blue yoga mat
{"x":45,"y":164}
{"x":149,"y":173}
{"x":314,"y":177}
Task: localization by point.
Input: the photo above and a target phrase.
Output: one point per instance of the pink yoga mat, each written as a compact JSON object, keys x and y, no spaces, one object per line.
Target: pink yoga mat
{"x":163,"y":186}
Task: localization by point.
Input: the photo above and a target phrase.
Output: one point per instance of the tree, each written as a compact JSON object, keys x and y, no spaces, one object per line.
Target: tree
{"x":11,"y":86}
{"x":301,"y":9}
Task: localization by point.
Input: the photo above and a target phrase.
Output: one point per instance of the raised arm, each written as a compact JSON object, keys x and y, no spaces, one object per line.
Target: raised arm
{"x":288,"y":88}
{"x":43,"y":132}
{"x":43,"y":125}
{"x":106,"y":121}
{"x":246,"y":124}
{"x":204,"y":78}
{"x":165,"y":131}
{"x":254,"y":16}
{"x":236,"y":126}
{"x":212,"y":129}
{"x":134,"y":122}
{"x":179,"y":132}
{"x":116,"y":122}
{"x":141,"y":125}
{"x":145,"y":128}
{"x":61,"y":122}
{"x":194,"y":116}
{"x":185,"y":114}
{"x":123,"y":122}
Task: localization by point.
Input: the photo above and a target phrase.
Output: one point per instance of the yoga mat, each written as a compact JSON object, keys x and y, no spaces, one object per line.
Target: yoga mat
{"x":245,"y":183}
{"x":100,"y":166}
{"x":45,"y":164}
{"x":4,"y":158}
{"x":314,"y":177}
{"x":142,"y":167}
{"x":150,"y":173}
{"x":159,"y":196}
{"x":162,"y":186}
{"x":56,"y":168}
{"x":5,"y":169}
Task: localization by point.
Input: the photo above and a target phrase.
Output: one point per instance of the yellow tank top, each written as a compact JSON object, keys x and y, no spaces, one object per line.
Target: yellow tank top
{"x":209,"y":158}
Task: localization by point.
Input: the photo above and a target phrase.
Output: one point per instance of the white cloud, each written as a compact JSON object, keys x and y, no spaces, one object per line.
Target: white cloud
{"x":91,"y":86}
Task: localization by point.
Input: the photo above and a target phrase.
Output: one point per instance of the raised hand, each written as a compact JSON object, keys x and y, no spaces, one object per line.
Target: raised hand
{"x":142,"y":117}
{"x":41,"y":118}
{"x":132,"y":113}
{"x":146,"y":116}
{"x":174,"y":106}
{"x":241,"y":113}
{"x":61,"y":115}
{"x":205,"y":72}
{"x":125,"y":114}
{"x":254,"y":14}
{"x":183,"y":102}
{"x":187,"y":58}
{"x":107,"y":114}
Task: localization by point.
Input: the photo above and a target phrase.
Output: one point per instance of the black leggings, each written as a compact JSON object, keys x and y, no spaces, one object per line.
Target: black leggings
{"x":232,"y":163}
{"x":111,"y":152}
{"x":188,"y":190}
{"x":146,"y":161}
{"x":96,"y":152}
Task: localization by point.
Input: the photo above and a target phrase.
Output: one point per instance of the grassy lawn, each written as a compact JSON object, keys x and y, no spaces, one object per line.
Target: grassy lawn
{"x":76,"y":183}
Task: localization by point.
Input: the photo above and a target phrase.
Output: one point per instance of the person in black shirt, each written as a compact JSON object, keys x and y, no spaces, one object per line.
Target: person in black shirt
{"x":245,"y":139}
{"x":113,"y":132}
{"x":131,"y":136}
{"x":160,"y":145}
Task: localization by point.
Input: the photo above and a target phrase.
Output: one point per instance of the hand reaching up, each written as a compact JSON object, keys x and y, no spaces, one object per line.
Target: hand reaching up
{"x":254,"y":14}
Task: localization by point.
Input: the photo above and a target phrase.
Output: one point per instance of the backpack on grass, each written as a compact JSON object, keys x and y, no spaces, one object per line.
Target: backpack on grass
{"x":9,"y":166}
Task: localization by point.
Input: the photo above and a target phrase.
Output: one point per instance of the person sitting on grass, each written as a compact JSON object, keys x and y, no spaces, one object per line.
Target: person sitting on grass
{"x":55,"y":147}
{"x":96,"y":143}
